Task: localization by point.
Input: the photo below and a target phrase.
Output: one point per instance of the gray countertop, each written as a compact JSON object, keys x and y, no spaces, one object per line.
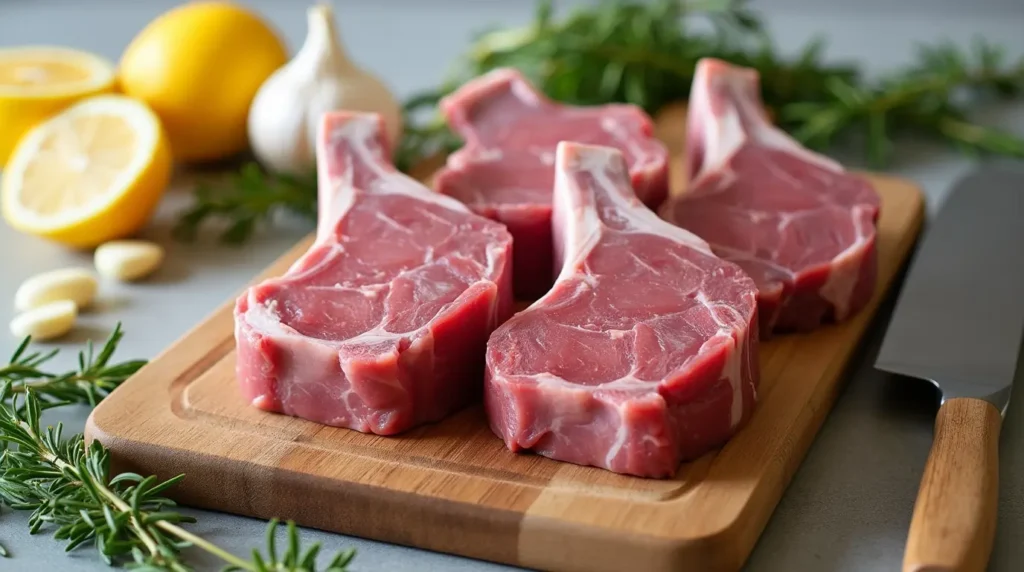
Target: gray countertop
{"x":849,"y":505}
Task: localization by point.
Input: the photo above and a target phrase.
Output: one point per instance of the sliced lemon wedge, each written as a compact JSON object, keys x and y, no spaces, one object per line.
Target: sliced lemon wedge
{"x":38,"y":81}
{"x":93,"y":172}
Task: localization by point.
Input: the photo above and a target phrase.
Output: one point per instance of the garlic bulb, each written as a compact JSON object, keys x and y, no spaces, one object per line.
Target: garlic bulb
{"x":284,"y":115}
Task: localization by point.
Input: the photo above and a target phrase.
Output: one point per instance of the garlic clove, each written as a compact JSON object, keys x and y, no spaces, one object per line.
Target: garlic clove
{"x":127,"y":260}
{"x":75,"y":284}
{"x":321,"y":77}
{"x":46,"y":322}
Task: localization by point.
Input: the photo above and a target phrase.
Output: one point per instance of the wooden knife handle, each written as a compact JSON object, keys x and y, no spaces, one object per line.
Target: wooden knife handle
{"x":954,"y":520}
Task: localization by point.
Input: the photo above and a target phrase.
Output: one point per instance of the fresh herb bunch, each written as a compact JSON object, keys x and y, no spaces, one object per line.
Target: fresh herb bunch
{"x":645,"y":53}
{"x":94,"y":379}
{"x":67,"y":483}
{"x":252,"y":196}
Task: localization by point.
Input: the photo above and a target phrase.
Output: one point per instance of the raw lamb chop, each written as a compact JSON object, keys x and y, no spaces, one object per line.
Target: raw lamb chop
{"x":382,"y":324}
{"x":645,"y":351}
{"x":505,"y":171}
{"x":796,"y":221}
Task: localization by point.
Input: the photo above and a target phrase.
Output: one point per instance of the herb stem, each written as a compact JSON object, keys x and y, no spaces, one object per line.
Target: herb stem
{"x":116,"y":501}
{"x":942,"y":84}
{"x":206,"y":546}
{"x":140,"y":529}
{"x":67,"y":483}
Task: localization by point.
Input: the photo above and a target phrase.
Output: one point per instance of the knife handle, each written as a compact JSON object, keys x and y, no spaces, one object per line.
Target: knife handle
{"x":954,"y":520}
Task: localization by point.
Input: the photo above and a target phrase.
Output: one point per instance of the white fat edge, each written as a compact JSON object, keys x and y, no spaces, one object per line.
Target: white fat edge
{"x":292,"y":272}
{"x":336,"y":194}
{"x":360,"y":132}
{"x":578,"y":227}
{"x":493,"y":253}
{"x":733,"y":368}
{"x":724,"y":134}
{"x":333,"y":212}
{"x":490,"y":155}
{"x":265,"y":317}
{"x":621,"y":433}
{"x":627,"y":382}
{"x":844,"y":269}
{"x":466,"y":156}
{"x":421,"y":348}
{"x":528,"y":96}
{"x":597,"y":161}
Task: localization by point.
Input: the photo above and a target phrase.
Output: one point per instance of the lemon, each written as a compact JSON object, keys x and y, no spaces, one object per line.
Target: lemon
{"x":38,"y":81}
{"x":198,"y":66}
{"x":92,"y":173}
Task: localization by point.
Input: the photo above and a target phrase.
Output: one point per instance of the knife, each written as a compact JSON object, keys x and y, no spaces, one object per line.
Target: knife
{"x":959,"y":323}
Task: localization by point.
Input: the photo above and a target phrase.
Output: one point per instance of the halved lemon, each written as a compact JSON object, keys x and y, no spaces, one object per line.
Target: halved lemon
{"x":38,"y":81}
{"x":92,"y":173}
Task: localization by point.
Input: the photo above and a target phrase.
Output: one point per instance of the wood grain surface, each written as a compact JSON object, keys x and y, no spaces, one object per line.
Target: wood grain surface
{"x":954,"y":522}
{"x":453,"y":487}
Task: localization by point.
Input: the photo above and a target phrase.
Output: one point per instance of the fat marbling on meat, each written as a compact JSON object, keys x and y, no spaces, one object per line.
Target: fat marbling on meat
{"x":796,"y":221}
{"x":505,"y":170}
{"x":382,"y":324}
{"x":643,"y":354}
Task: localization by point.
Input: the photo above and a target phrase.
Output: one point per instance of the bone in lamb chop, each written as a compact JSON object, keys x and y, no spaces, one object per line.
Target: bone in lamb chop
{"x":643,"y":354}
{"x":505,"y":170}
{"x":797,"y":222}
{"x":382,"y":324}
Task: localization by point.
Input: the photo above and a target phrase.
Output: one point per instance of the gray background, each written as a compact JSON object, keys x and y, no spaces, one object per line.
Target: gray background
{"x":848,"y":506}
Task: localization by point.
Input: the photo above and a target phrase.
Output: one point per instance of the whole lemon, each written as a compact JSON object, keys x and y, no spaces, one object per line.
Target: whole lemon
{"x":198,"y":66}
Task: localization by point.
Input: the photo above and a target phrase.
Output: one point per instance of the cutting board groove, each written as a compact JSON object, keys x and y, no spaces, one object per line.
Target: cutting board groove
{"x":453,"y":487}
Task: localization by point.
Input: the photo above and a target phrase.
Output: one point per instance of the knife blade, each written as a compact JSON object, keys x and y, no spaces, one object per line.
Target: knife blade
{"x":959,"y":323}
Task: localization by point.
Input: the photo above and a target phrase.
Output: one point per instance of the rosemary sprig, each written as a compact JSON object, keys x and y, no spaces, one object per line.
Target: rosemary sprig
{"x":67,"y":485}
{"x":645,"y":53}
{"x":252,"y":196}
{"x":94,"y":379}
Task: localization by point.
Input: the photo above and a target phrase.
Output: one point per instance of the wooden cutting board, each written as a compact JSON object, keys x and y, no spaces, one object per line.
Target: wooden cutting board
{"x":453,"y":487}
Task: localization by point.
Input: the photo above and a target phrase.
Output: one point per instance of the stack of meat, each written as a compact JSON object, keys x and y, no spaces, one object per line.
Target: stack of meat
{"x":640,"y":349}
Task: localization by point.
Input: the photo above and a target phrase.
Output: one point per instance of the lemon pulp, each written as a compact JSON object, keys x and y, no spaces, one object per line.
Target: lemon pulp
{"x":91,"y":173}
{"x":39,"y":81}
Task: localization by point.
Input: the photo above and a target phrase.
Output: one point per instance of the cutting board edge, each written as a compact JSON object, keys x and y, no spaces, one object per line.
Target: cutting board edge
{"x":503,"y":537}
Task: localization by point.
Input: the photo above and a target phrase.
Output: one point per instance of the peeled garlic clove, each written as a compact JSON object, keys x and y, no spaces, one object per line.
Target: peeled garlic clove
{"x":128,"y":259}
{"x":46,"y":322}
{"x":75,"y":284}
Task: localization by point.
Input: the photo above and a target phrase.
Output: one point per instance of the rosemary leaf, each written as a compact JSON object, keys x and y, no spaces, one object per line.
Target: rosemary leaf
{"x":252,"y":196}
{"x":67,"y":486}
{"x":94,"y":379}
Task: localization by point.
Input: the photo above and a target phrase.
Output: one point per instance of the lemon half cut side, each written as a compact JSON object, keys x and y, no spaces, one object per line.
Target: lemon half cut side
{"x":94,"y":172}
{"x":38,"y":81}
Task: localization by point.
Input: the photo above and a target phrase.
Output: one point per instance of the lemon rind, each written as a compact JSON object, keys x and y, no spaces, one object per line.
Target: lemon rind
{"x":103,"y":72}
{"x":140,"y":118}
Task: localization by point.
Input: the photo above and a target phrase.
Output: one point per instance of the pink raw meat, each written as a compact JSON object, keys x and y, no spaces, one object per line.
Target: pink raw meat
{"x":645,"y":351}
{"x":505,"y":170}
{"x":382,"y":324}
{"x":797,"y":222}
